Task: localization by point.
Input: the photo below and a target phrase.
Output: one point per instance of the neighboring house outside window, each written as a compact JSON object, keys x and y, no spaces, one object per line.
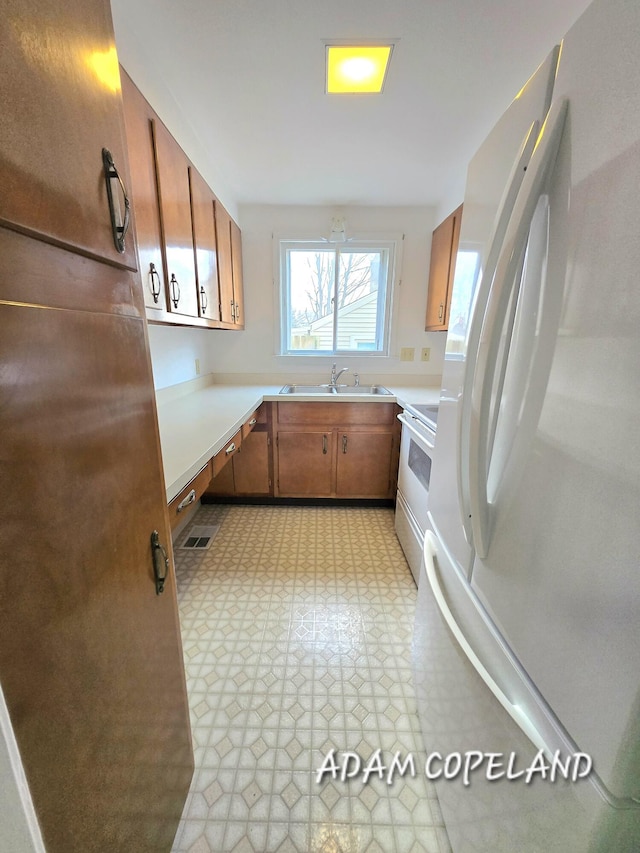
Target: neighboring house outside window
{"x":336,"y":298}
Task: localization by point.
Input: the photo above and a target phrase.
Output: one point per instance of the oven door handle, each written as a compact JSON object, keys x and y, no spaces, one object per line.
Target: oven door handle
{"x":410,"y":422}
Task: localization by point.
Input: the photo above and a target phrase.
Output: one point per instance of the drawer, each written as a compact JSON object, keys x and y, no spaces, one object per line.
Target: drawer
{"x":251,"y":421}
{"x":223,"y":456}
{"x":190,"y":494}
{"x":336,"y":413}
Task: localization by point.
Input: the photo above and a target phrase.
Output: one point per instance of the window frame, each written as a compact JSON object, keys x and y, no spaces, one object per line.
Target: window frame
{"x":391,"y":245}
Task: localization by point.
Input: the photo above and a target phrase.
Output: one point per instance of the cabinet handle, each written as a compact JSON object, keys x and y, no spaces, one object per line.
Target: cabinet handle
{"x":160,"y":562}
{"x":154,"y":275}
{"x":324,"y":443}
{"x":190,"y":498}
{"x":344,"y":443}
{"x":119,"y":225}
{"x":253,"y":421}
{"x":175,"y":290}
{"x":440,"y":312}
{"x":230,"y":449}
{"x":203,"y":300}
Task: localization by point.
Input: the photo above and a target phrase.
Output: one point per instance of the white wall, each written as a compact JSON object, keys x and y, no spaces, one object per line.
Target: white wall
{"x":174,"y":350}
{"x":254,"y":350}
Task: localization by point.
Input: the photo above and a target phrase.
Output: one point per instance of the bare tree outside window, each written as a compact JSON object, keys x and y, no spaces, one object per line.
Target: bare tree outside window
{"x":315,"y":295}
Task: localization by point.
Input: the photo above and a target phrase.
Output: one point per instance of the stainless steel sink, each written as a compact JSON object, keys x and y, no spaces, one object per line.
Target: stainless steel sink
{"x":364,"y":389}
{"x":335,"y":389}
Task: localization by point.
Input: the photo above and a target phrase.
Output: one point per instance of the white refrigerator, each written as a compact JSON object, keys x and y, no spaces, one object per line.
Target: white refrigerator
{"x":527,"y":630}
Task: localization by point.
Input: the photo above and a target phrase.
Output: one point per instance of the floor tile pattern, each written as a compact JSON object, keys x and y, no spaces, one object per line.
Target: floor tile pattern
{"x":296,"y":627}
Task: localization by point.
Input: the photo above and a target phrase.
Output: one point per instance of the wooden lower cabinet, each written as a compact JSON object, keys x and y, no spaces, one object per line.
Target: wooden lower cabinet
{"x":364,"y":464}
{"x":336,"y":450}
{"x":319,"y":450}
{"x":251,"y":465}
{"x":306,"y":462}
{"x":249,"y":472}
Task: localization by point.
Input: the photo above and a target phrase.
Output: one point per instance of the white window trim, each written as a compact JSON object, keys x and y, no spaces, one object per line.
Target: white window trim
{"x":393,"y":241}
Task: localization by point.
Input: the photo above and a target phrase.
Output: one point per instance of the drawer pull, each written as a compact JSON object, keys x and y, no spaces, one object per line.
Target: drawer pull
{"x":253,"y":421}
{"x":230,"y":449}
{"x":190,"y":498}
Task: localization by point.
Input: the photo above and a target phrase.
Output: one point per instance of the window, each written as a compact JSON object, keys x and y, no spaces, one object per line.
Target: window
{"x":335,"y":297}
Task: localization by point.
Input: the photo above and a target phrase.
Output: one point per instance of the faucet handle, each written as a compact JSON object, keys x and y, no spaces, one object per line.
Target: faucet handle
{"x":356,"y":377}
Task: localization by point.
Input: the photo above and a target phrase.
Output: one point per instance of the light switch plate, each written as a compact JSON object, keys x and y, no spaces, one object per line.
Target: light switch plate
{"x":407,"y":353}
{"x":425,"y":353}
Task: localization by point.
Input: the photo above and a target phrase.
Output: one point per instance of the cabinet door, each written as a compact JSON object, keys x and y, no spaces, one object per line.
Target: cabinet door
{"x":204,"y":238}
{"x":61,"y":106}
{"x":225,"y":264}
{"x":364,"y":464}
{"x":139,"y":117}
{"x":444,"y":247}
{"x":306,"y":462}
{"x":251,"y":465}
{"x":236,"y":259}
{"x":90,"y":656}
{"x":175,"y":211}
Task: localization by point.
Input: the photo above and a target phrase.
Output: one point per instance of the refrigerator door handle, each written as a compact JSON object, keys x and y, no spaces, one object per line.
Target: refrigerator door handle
{"x":514,"y":711}
{"x":482,"y":381}
{"x":505,"y":210}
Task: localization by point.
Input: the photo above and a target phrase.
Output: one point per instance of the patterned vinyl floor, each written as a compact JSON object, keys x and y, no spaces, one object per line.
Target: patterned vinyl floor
{"x":297,"y":626}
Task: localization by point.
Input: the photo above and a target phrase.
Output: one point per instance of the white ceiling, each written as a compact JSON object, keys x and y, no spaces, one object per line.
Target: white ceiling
{"x":248,"y":76}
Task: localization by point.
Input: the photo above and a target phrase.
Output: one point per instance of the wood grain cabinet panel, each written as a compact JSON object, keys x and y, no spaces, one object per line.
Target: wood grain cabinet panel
{"x":236,"y":265}
{"x":61,"y":106}
{"x":91,"y":663}
{"x":175,"y":214}
{"x":205,"y":245}
{"x":251,"y":466}
{"x":144,"y":196}
{"x":444,"y":248}
{"x":90,"y":656}
{"x":225,"y":264}
{"x":306,"y":463}
{"x":364,"y":464}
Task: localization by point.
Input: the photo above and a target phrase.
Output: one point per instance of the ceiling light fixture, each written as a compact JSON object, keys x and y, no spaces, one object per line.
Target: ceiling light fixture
{"x":357,"y":68}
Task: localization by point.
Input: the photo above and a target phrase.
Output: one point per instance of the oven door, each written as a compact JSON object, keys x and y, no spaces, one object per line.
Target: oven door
{"x":416,"y":451}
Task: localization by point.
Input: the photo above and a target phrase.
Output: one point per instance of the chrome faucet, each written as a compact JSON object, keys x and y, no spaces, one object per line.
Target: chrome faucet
{"x":335,"y":376}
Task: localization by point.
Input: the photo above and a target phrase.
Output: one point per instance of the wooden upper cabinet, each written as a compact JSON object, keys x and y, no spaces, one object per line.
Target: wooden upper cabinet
{"x":225,"y":263}
{"x":236,"y":262}
{"x":206,"y":251}
{"x":139,"y":121}
{"x":444,"y":247}
{"x":172,"y":169}
{"x":65,"y":107}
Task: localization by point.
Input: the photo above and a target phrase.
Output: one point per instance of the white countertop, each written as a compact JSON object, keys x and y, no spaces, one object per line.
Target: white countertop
{"x":196,"y":426}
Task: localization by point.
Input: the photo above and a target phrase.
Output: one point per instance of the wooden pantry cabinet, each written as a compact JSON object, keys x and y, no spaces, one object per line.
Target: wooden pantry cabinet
{"x":444,"y":248}
{"x":91,"y":664}
{"x":336,"y":450}
{"x":190,"y":249}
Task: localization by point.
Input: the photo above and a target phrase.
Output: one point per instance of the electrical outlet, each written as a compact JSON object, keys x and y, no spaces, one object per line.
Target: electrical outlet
{"x":425,"y":353}
{"x":407,"y":353}
{"x":197,"y":367}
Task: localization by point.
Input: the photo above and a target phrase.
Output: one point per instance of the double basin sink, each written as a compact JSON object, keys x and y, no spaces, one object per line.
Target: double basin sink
{"x":336,"y":389}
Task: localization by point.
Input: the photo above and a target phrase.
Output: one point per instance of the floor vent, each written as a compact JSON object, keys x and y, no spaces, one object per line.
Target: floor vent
{"x":200,"y":537}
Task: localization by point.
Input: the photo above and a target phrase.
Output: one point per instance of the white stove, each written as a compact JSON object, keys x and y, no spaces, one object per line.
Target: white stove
{"x":419,"y":423}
